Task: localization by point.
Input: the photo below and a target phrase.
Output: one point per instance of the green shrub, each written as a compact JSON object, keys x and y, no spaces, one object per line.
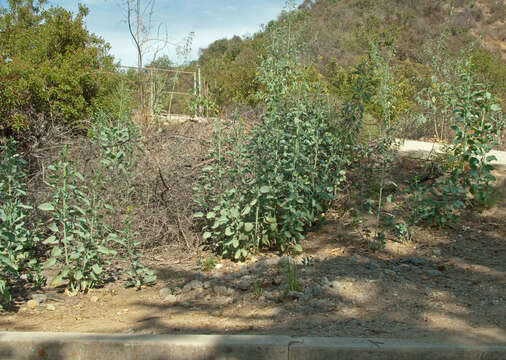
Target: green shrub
{"x":139,"y":274}
{"x":18,"y":240}
{"x":477,"y":120}
{"x":116,"y":139}
{"x":200,"y":105}
{"x":82,"y":238}
{"x":79,"y":235}
{"x":270,"y":185}
{"x":491,"y":68}
{"x":51,"y":68}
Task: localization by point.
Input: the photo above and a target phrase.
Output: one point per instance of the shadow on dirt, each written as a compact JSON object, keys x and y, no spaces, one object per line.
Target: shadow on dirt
{"x":457,"y":295}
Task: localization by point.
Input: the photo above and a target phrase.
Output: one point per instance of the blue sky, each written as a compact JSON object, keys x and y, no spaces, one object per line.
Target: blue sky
{"x":208,"y":19}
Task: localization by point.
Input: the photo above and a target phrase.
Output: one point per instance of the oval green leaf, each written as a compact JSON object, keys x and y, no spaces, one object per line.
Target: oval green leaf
{"x":248,"y":227}
{"x":46,"y":207}
{"x":265,"y":189}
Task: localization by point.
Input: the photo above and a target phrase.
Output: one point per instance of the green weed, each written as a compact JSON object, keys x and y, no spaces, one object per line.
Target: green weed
{"x":467,"y":170}
{"x":268,"y":186}
{"x":292,"y":281}
{"x":207,"y":263}
{"x":79,"y":236}
{"x":18,"y":241}
{"x":258,"y":289}
{"x":139,"y":274}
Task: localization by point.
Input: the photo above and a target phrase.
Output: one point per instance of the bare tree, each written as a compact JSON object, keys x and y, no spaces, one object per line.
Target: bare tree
{"x":139,"y":17}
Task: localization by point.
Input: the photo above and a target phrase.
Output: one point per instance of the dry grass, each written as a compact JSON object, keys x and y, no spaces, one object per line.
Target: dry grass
{"x":168,"y":168}
{"x":160,"y":209}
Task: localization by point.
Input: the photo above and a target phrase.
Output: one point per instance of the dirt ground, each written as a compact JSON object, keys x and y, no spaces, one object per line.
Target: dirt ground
{"x":446,"y":285}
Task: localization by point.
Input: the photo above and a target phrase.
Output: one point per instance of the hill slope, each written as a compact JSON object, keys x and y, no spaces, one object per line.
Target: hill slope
{"x":336,"y":34}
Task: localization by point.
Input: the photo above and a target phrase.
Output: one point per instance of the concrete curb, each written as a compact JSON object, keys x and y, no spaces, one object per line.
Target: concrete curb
{"x":422,"y":150}
{"x":387,"y":349}
{"x":59,"y":346}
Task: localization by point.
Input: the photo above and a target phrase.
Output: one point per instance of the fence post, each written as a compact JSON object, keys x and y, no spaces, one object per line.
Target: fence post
{"x":152,"y":95}
{"x":200,"y":92}
{"x":200,"y":85}
{"x":194,"y":82}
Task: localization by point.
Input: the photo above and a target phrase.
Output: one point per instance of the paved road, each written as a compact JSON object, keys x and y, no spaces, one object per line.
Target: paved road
{"x":422,"y":149}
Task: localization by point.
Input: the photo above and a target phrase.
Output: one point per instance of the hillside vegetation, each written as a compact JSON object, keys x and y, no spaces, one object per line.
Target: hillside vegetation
{"x":53,"y":71}
{"x":335,"y":34}
{"x":88,"y":178}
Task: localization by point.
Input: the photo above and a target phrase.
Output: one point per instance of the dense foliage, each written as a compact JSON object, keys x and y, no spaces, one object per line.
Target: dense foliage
{"x":269,"y":185}
{"x":52,"y":69}
{"x":330,"y":116}
{"x":71,"y":228}
{"x":18,"y":239}
{"x":476,"y":119}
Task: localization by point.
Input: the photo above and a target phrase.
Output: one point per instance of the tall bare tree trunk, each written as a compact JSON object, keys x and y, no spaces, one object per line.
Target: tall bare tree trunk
{"x":139,"y":61}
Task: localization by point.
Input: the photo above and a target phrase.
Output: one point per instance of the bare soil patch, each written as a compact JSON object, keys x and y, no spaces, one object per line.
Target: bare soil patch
{"x":446,"y":285}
